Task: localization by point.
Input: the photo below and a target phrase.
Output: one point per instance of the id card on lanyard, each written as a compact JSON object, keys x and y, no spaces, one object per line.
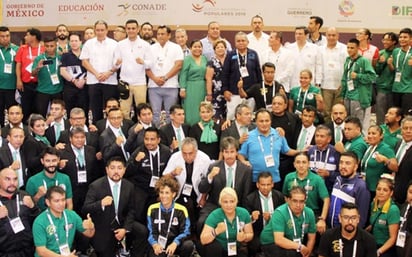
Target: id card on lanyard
{"x":16,"y":223}
{"x":296,"y":237}
{"x":231,"y":246}
{"x":64,"y":247}
{"x":162,"y":240}
{"x":269,"y":160}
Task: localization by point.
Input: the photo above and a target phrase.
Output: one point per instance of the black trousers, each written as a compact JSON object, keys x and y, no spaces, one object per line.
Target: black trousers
{"x":6,"y":100}
{"x":75,"y":97}
{"x":98,"y":95}
{"x":43,"y":101}
{"x":28,"y":98}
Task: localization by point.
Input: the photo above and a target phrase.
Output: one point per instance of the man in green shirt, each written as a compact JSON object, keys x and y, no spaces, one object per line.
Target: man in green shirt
{"x":290,"y":224}
{"x":355,"y":142}
{"x":314,"y":186}
{"x":401,"y":63}
{"x":54,"y":229}
{"x":46,"y":68}
{"x":7,"y":71}
{"x":38,"y":184}
{"x":391,"y":128}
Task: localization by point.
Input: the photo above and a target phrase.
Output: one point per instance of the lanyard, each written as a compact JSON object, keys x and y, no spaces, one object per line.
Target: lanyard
{"x":18,"y":206}
{"x":404,"y":59}
{"x":48,"y":68}
{"x":264,"y":91}
{"x":227,"y":230}
{"x":12,"y":53}
{"x":403,"y":219}
{"x":45,"y":184}
{"x":261,"y":145}
{"x":170,"y":222}
{"x":304,"y":98}
{"x":238,"y":58}
{"x":307,"y":184}
{"x":31,"y":55}
{"x":369,"y":154}
{"x":295,"y":234}
{"x":349,"y":66}
{"x":355,"y":246}
{"x":158,"y":163}
{"x":320,"y":158}
{"x":66,"y":227}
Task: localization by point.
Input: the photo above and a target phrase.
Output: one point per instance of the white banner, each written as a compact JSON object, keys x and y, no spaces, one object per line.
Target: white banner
{"x":372,"y":14}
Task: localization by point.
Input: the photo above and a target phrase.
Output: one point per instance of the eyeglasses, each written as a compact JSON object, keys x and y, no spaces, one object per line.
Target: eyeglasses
{"x":350,"y":218}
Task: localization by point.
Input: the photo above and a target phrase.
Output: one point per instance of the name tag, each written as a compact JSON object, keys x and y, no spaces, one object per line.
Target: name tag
{"x":270,"y":162}
{"x":243,"y":72}
{"x":351,"y":86}
{"x":398,"y":76}
{"x":231,"y":249}
{"x":153,"y":181}
{"x":54,"y":79}
{"x":187,"y":189}
{"x":64,"y":250}
{"x":16,"y":225}
{"x":7,"y":68}
{"x":81,"y":176}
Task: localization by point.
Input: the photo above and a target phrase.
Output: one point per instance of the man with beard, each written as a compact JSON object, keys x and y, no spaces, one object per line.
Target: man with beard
{"x":146,"y":33}
{"x":391,"y":128}
{"x":347,"y":239}
{"x":17,"y":211}
{"x":337,"y":125}
{"x":348,"y":188}
{"x":62,"y":35}
{"x":38,"y":184}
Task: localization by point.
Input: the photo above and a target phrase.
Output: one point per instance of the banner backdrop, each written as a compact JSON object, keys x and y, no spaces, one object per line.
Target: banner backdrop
{"x":373,"y":14}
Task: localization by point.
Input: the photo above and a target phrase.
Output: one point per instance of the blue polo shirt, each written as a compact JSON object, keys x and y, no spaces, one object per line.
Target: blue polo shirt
{"x":258,"y":146}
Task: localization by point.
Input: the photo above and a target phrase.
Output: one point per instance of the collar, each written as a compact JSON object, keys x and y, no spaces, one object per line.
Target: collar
{"x":112,"y":183}
{"x":12,"y":148}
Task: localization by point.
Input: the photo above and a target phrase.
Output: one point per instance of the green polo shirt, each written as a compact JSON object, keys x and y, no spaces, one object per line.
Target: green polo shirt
{"x":383,"y":220}
{"x":299,"y":101}
{"x":8,"y":80}
{"x":391,"y":138}
{"x":357,"y":145}
{"x":45,"y":84}
{"x":312,"y":183}
{"x":40,"y":179}
{"x":217,"y":216}
{"x":43,"y":230}
{"x":374,"y":169}
{"x":282,"y":222}
{"x":400,"y":61}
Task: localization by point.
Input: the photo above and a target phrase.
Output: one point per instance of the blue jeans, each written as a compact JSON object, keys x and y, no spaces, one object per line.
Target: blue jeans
{"x":159,"y":97}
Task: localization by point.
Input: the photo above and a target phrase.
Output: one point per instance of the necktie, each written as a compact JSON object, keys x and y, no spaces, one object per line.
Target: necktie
{"x":155,"y":164}
{"x":244,"y":129}
{"x":58,"y":130}
{"x":80,"y":157}
{"x":265,"y":204}
{"x":229,"y":181}
{"x":116,"y":196}
{"x":125,"y":153}
{"x":179,"y":137}
{"x":401,"y":149}
{"x":338,"y":131}
{"x":15,"y":155}
{"x":302,"y":139}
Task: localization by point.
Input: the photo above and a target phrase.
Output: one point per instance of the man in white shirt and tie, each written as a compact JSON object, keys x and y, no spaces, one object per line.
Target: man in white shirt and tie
{"x":307,"y":132}
{"x":337,"y":125}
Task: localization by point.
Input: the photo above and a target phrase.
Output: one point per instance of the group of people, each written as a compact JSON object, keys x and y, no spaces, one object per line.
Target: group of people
{"x":308,"y":176}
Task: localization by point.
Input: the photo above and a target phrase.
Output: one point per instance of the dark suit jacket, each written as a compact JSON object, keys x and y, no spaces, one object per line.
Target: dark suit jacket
{"x":253,"y":204}
{"x":80,"y":189}
{"x":233,"y":132}
{"x":126,"y":125}
{"x":6,"y":159}
{"x":292,"y":128}
{"x":33,"y":149}
{"x":312,"y":141}
{"x":403,"y":176}
{"x":104,"y":240}
{"x":167,"y":133}
{"x":108,"y":146}
{"x":92,"y":139}
{"x":243,"y":180}
{"x":134,"y":140}
{"x":331,"y":126}
{"x":5,"y":130}
{"x":51,"y":133}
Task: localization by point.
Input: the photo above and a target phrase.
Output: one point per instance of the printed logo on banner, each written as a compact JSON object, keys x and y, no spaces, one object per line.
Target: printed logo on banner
{"x":198,"y":7}
{"x":402,"y":10}
{"x":148,"y":8}
{"x":124,"y":12}
{"x":346,"y":8}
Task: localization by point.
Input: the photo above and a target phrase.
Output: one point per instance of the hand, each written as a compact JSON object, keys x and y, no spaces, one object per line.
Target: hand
{"x":255,"y":215}
{"x":339,"y":147}
{"x":40,"y":64}
{"x":318,"y":97}
{"x":321,"y":226}
{"x":178,"y":170}
{"x":118,"y":62}
{"x":119,"y":140}
{"x":175,"y":144}
{"x":226,"y":124}
{"x":266,"y":216}
{"x":170,"y":250}
{"x":323,"y":173}
{"x":241,"y":236}
{"x":243,"y":138}
{"x":79,"y":83}
{"x":305,"y":251}
{"x":390,"y":60}
{"x":92,"y":128}
{"x":107,"y":201}
{"x":215,"y":170}
{"x":62,"y":163}
{"x":221,"y":228}
{"x":119,"y":233}
{"x":247,"y":163}
{"x":139,"y":60}
{"x":19,"y":86}
{"x":28,"y":201}
{"x":202,"y":200}
{"x":138,"y":128}
{"x":88,"y":223}
{"x":60,"y":146}
{"x":41,"y":192}
{"x":3,"y":212}
{"x":159,"y":81}
{"x":353,"y":75}
{"x":382,"y":59}
{"x":157,"y":249}
{"x":49,"y":119}
{"x":209,"y":97}
{"x":182,"y":94}
{"x":139,"y":156}
{"x":15,"y":165}
{"x":227,"y":95}
{"x":281,"y":131}
{"x":410,"y":61}
{"x":73,"y":254}
{"x":99,"y":156}
{"x":380,"y":158}
{"x":240,"y":83}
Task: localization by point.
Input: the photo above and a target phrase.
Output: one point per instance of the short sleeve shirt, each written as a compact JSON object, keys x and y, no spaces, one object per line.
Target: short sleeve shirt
{"x":383,"y":220}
